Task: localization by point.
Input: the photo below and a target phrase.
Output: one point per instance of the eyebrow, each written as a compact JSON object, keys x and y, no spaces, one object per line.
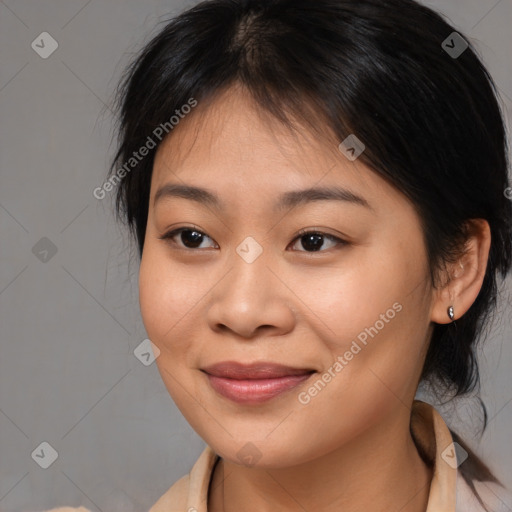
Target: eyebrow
{"x":286,"y":200}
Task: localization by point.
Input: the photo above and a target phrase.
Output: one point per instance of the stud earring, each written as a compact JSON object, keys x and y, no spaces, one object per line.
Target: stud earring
{"x":451,"y":313}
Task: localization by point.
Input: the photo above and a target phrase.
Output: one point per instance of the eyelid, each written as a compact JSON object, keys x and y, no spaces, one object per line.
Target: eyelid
{"x":169,"y":235}
{"x":318,"y":231}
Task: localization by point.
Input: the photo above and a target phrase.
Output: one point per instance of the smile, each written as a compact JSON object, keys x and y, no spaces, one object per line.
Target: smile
{"x":254,"y":383}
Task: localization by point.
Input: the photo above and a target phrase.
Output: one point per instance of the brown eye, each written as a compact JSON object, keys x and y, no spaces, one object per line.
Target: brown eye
{"x":311,"y":241}
{"x":314,"y":241}
{"x":189,"y":238}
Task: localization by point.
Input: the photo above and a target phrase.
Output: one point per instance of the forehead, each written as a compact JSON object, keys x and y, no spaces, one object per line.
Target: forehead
{"x":232,"y":131}
{"x":230,"y":144}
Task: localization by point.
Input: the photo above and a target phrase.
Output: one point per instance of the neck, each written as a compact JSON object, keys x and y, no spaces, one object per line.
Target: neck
{"x":379,"y":470}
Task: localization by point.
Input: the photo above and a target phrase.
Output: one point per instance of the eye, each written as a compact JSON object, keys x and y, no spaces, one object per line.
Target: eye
{"x":313,"y":241}
{"x":191,"y":238}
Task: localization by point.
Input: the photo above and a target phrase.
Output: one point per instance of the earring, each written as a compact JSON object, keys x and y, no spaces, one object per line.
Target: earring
{"x":451,"y":313}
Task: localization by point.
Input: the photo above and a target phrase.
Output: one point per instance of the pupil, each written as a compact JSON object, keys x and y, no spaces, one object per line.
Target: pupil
{"x":194,"y":240}
{"x":317,"y":242}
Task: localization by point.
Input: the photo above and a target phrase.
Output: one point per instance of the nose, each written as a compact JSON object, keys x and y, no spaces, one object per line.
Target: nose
{"x":250,"y":300}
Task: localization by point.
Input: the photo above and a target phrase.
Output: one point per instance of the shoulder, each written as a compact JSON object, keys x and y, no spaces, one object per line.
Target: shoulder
{"x":193,"y":488}
{"x":190,"y":492}
{"x":495,"y":497}
{"x":175,"y":498}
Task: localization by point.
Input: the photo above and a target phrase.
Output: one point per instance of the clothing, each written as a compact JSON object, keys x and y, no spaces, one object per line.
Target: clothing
{"x":448,"y":490}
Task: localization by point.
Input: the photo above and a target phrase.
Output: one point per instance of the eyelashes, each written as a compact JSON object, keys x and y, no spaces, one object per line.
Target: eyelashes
{"x":308,"y":237}
{"x":315,"y":235}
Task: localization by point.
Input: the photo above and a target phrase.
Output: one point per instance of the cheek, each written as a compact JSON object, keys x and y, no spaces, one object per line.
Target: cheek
{"x":368,"y":380}
{"x":352,"y":298}
{"x":166,"y":296}
{"x":375,"y":315}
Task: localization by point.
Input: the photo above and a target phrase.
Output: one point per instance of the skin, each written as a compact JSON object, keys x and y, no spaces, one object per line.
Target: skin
{"x":295,"y":307}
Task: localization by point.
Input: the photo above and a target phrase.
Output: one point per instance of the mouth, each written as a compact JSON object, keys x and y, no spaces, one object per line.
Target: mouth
{"x":254,"y":383}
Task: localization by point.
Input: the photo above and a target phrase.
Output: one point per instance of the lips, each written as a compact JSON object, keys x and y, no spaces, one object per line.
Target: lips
{"x":235,"y":370}
{"x":254,"y":383}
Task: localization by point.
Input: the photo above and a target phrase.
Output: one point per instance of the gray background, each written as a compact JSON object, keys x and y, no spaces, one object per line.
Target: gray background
{"x":69,"y":326}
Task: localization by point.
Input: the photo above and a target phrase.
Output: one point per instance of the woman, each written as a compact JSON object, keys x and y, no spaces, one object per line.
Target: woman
{"x":317,"y":189}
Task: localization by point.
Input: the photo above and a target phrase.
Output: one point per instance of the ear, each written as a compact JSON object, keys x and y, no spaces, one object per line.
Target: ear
{"x":464,"y":278}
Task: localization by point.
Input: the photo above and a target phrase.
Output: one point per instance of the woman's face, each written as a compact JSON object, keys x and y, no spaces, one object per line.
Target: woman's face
{"x":252,"y":289}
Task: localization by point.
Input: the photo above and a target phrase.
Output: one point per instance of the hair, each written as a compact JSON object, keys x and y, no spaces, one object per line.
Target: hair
{"x":431,"y":124}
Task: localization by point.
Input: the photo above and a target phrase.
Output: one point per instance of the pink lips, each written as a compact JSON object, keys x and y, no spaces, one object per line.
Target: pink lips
{"x":254,"y":383}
